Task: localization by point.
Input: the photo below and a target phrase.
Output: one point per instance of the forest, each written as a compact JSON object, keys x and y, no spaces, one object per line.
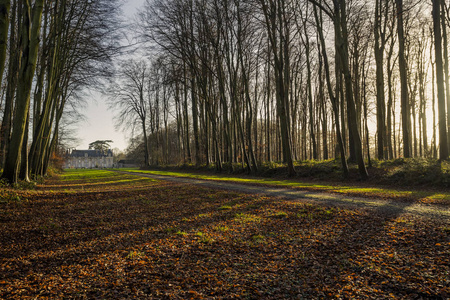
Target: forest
{"x":237,"y":84}
{"x":345,"y":89}
{"x":229,"y":83}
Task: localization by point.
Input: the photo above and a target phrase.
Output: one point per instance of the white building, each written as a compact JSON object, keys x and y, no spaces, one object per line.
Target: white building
{"x":88,"y":159}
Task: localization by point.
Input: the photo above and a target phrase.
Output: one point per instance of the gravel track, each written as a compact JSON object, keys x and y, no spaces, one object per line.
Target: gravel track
{"x":379,"y":206}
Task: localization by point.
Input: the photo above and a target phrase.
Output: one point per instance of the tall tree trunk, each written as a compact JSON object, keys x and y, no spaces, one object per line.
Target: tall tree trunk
{"x":390,"y":124}
{"x":195,"y":123}
{"x":381,"y":109}
{"x":433,"y":101}
{"x":278,"y":34}
{"x":405,"y":109}
{"x":446,"y":66}
{"x":310,"y":96}
{"x":323,"y":105}
{"x":13,"y":72}
{"x":333,"y":99}
{"x":24,"y":171}
{"x":443,"y":144}
{"x":186,"y":115}
{"x":341,"y":41}
{"x":5,"y":6}
{"x":366,"y":126}
{"x":145,"y":141}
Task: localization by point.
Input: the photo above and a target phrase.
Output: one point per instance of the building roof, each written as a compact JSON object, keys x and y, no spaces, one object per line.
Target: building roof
{"x":90,"y":153}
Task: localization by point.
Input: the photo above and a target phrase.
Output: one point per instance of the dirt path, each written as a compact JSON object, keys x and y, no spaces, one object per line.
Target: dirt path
{"x":387,"y":207}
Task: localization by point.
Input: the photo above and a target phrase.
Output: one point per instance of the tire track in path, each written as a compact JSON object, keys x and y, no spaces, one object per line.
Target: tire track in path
{"x":380,"y":206}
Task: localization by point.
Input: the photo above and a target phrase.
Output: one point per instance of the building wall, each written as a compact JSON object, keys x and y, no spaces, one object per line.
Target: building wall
{"x":88,"y":162}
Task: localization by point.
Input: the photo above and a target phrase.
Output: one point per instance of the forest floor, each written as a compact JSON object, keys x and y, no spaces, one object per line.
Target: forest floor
{"x":427,"y":203}
{"x":103,"y":234}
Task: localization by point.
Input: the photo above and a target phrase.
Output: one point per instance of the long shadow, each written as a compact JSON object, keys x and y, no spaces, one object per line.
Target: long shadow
{"x":356,"y":241}
{"x":66,"y":251}
{"x":138,"y":224}
{"x":323,"y":198}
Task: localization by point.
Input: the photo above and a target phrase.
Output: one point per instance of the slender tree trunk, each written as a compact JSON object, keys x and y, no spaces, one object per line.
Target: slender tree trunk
{"x":310,"y":97}
{"x":405,"y":109}
{"x":433,"y":101}
{"x":323,"y":106}
{"x":446,"y":66}
{"x":274,"y":19}
{"x":5,"y":6}
{"x":341,"y":40}
{"x":13,"y":72}
{"x":333,"y":99}
{"x":389,"y":117}
{"x":195,"y":123}
{"x":186,"y":116}
{"x":381,"y":109}
{"x":268,"y":110}
{"x":145,"y":141}
{"x":24,"y":171}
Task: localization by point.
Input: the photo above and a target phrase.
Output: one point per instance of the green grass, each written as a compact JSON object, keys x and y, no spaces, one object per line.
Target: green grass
{"x":225,"y":207}
{"x":259,"y":239}
{"x":332,"y":188}
{"x":83,"y":174}
{"x":279,"y":215}
{"x":247,"y":218}
{"x":135,"y":254}
{"x":222,"y":228}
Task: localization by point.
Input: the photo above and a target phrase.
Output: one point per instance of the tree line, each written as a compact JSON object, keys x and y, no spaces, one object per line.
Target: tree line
{"x":49,"y":52}
{"x":246,"y":82}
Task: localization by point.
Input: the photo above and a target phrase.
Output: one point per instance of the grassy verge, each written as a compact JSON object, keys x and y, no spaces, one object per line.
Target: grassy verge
{"x":117,"y":238}
{"x":425,"y":196}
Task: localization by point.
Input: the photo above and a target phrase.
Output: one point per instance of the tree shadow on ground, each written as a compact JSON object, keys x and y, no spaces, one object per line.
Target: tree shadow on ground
{"x":166,"y":240}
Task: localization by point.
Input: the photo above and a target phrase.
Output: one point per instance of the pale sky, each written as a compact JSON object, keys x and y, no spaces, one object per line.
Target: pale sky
{"x":99,"y":120}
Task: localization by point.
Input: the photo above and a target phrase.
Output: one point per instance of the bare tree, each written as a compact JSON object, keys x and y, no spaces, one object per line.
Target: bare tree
{"x":129,"y":98}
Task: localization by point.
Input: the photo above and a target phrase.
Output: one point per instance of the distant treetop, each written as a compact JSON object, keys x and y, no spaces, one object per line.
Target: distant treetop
{"x":101,"y":145}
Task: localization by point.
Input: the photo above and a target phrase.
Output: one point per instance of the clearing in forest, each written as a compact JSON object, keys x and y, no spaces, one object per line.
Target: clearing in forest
{"x":101,"y":234}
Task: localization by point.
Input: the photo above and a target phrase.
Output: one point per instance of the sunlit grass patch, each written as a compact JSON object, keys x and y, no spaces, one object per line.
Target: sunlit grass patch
{"x":225,"y":207}
{"x":304,"y":214}
{"x":247,"y":218}
{"x":230,"y":205}
{"x":110,"y":181}
{"x":135,"y":254}
{"x":8,"y":196}
{"x":279,"y":215}
{"x":171,"y":229}
{"x":207,"y":240}
{"x":222,"y":228}
{"x":83,"y":174}
{"x":316,"y":213}
{"x":259,"y":239}
{"x":204,"y":215}
{"x":204,"y":237}
{"x":439,"y":198}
